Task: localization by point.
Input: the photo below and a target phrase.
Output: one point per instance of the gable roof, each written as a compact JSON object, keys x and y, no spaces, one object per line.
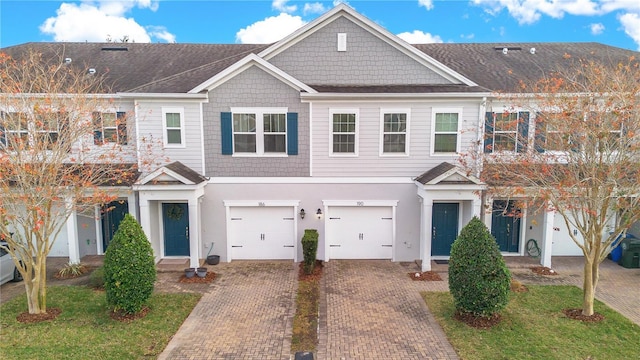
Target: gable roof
{"x":446,"y":173}
{"x":173,"y":173}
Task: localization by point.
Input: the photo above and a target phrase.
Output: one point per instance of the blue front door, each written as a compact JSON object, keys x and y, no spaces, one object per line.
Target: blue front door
{"x":112,"y":215}
{"x":505,"y":225}
{"x":175,"y":218}
{"x":444,"y":230}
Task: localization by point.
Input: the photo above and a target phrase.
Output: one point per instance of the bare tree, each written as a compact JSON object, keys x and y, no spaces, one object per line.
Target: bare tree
{"x":49,"y":166}
{"x":584,"y":162}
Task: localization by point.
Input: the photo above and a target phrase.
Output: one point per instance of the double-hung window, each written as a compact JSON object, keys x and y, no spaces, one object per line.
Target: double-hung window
{"x":173,"y":127}
{"x":15,"y":130}
{"x":344,"y":132}
{"x":506,"y":131}
{"x":49,"y":127}
{"x":394,"y":131}
{"x":40,"y":129}
{"x":259,"y":131}
{"x":109,"y":127}
{"x":446,"y":129}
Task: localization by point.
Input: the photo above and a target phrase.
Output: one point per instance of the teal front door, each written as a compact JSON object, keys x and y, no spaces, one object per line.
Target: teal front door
{"x":175,"y":219}
{"x":505,"y":225}
{"x":112,"y":215}
{"x":444,"y":231}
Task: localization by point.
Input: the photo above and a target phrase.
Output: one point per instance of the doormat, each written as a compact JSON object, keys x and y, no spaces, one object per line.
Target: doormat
{"x":441,"y":262}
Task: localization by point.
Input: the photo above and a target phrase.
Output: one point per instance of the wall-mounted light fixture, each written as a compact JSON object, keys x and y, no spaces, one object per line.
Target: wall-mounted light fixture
{"x":319,"y":214}
{"x":302,"y":213}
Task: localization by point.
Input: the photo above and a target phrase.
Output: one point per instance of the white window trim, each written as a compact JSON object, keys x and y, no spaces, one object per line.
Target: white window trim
{"x":405,"y":111}
{"x":259,"y":112}
{"x":435,"y":111}
{"x":179,"y":110}
{"x":357,"y":132}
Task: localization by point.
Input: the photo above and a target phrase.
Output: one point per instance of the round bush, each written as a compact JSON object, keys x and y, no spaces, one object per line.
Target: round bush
{"x":478,"y":277}
{"x":129,"y":268}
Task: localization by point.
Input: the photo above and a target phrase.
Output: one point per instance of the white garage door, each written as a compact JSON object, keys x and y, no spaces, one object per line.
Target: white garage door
{"x":360,"y":232}
{"x":261,"y":233}
{"x":562,"y":243}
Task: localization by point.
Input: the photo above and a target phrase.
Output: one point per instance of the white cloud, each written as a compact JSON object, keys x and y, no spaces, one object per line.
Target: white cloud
{"x":419,"y":37}
{"x":313,"y":8}
{"x":270,"y":29}
{"x":97,"y":22}
{"x":530,"y":11}
{"x":596,"y":28}
{"x":281,"y":5}
{"x":468,"y":36}
{"x":428,"y":4}
{"x":631,"y":24}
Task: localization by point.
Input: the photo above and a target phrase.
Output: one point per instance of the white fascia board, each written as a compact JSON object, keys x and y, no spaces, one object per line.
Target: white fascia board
{"x":242,"y":65}
{"x":311,"y":180}
{"x":149,"y":178}
{"x":378,"y":31}
{"x":387,"y":96}
{"x":163,"y":96}
{"x":165,"y":187}
{"x":451,"y":172}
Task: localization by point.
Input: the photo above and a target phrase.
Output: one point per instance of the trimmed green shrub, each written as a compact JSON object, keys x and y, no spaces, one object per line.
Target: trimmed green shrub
{"x":96,"y":278}
{"x":129,"y":268}
{"x":478,"y":276}
{"x":309,"y":249}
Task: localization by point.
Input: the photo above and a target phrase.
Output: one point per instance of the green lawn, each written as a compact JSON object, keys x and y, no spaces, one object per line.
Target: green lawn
{"x":533,"y":327}
{"x":84,"y":329}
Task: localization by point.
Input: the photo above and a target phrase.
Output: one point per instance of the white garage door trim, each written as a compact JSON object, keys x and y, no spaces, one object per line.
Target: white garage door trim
{"x":293,"y":204}
{"x":328,"y":204}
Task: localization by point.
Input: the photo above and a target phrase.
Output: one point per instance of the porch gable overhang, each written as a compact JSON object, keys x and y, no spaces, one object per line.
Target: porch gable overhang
{"x":172,"y":177}
{"x":448,"y":177}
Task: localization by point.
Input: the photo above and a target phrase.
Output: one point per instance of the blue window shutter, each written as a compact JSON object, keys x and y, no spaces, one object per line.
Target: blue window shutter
{"x":541,"y":133}
{"x":3,"y":138}
{"x":292,"y":133}
{"x":122,"y":127}
{"x":226,"y":128}
{"x":523,"y":131}
{"x":488,"y":132}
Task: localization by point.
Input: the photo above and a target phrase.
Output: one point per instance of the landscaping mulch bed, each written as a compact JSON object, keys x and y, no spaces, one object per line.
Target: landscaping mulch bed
{"x":478,"y":322}
{"x":425,"y":276}
{"x":543,"y":270}
{"x":576,"y":314}
{"x":198,"y":280}
{"x":315,"y":275}
{"x":27,"y":318}
{"x":124,"y":317}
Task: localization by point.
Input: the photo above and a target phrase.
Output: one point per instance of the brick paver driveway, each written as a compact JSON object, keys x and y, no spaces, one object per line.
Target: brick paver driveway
{"x":247,"y":314}
{"x":372,"y":310}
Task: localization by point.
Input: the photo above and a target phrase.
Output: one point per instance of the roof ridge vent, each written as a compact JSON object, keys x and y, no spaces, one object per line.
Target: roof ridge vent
{"x":114,"y":48}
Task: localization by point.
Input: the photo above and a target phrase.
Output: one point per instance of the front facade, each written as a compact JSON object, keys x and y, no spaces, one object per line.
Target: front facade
{"x":340,"y":127}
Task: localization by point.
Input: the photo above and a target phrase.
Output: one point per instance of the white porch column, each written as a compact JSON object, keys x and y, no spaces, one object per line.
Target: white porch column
{"x":426,"y":231}
{"x":99,"y":238}
{"x":547,"y":238}
{"x":145,"y":221}
{"x":194,"y":233}
{"x":72,"y":233}
{"x":132,"y":206}
{"x":477,"y":208}
{"x":486,"y":216}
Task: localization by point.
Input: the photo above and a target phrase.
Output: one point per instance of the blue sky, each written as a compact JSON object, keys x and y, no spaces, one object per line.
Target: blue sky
{"x":612,"y":22}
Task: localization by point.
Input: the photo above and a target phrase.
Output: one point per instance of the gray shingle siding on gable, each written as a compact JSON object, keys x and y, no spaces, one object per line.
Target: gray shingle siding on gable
{"x":367,"y":61}
{"x":254,"y":88}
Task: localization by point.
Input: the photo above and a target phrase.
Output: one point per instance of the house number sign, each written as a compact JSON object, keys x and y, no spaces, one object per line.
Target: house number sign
{"x":359,"y":203}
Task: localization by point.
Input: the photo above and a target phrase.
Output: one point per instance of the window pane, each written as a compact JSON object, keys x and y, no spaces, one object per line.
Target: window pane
{"x":244,"y":143}
{"x":274,"y":123}
{"x":111,"y":135}
{"x":395,"y":123}
{"x":344,"y":143}
{"x":506,"y":122}
{"x":109,"y":119}
{"x":275,"y":143}
{"x":447,"y":122}
{"x":394,"y":143}
{"x":173,"y":136}
{"x":244,"y":122}
{"x":445,"y":143}
{"x":173,"y":120}
{"x":344,"y":123}
{"x":504,"y":142}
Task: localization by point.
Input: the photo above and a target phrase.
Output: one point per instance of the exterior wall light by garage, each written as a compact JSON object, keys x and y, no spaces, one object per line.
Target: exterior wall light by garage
{"x":302,"y":213}
{"x":319,"y":214}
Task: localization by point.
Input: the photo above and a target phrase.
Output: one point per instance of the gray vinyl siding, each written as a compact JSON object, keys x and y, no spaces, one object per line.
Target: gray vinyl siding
{"x":254,"y":88}
{"x":150,"y":121}
{"x":367,"y":61}
{"x":311,"y":197}
{"x":369,"y":162}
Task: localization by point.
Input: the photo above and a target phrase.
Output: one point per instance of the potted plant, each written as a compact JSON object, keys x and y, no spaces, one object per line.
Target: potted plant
{"x":212,"y":259}
{"x":189,"y":272}
{"x":201,"y":272}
